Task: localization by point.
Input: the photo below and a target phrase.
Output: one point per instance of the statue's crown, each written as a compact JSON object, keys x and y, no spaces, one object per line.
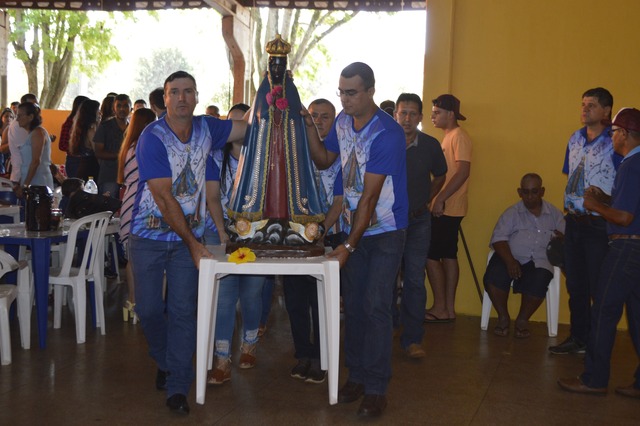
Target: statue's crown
{"x":278,"y":47}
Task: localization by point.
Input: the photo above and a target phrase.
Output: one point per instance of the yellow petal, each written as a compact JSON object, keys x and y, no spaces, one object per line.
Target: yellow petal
{"x":242,"y":255}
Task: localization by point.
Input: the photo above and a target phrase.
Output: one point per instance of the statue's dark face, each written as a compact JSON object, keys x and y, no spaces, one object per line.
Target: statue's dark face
{"x":277,"y":68}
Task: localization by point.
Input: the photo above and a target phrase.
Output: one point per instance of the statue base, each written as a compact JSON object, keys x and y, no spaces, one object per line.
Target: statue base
{"x":278,"y":251}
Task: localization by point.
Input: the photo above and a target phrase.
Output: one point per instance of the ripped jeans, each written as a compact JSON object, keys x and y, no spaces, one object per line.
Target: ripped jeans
{"x":247,"y":289}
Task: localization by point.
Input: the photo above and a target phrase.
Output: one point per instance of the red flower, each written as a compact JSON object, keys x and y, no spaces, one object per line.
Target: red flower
{"x":277,"y":91}
{"x":269,"y":99}
{"x":282,"y":104}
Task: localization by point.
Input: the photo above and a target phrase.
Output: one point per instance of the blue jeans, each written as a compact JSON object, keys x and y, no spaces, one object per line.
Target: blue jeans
{"x":267,"y":297}
{"x":247,"y":289}
{"x":368,"y":280}
{"x":300,"y":297}
{"x":169,"y":325}
{"x":619,"y":284}
{"x":585,"y":246}
{"x":414,"y":292}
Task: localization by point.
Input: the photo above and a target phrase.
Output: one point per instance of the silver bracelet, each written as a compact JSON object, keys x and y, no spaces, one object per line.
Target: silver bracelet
{"x":349,"y":247}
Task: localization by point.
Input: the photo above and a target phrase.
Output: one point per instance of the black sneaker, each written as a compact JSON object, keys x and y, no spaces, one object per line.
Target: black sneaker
{"x":315,"y":373}
{"x":569,"y":346}
{"x":301,"y":370}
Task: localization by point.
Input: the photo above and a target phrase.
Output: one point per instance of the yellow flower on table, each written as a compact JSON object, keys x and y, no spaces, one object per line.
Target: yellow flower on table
{"x":242,"y":255}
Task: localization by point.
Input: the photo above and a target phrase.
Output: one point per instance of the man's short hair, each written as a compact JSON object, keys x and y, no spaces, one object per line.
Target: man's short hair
{"x":360,"y":69}
{"x":180,"y":74}
{"x":140,"y":101}
{"x":156,"y":98}
{"x":323,"y":101}
{"x":122,"y":97}
{"x":410,"y":97}
{"x":534,"y":176}
{"x":242,"y":107}
{"x":29,"y":97}
{"x":604,"y":97}
{"x":15,"y":103}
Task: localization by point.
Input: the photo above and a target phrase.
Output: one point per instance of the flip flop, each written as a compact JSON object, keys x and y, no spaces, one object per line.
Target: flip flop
{"x":435,"y":320}
{"x":501,"y":331}
{"x":522,"y":333}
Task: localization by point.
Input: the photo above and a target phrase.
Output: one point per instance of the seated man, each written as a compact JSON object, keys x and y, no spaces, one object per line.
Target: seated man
{"x":520,"y":239}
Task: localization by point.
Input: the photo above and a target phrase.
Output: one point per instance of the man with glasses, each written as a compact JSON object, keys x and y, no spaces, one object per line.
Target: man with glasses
{"x":426,"y":169}
{"x":589,"y":161}
{"x":448,"y":209}
{"x":520,"y":239}
{"x":371,"y":147}
{"x":618,"y":283}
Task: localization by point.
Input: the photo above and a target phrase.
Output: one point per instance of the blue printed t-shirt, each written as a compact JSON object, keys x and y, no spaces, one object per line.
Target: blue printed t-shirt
{"x":626,"y":193}
{"x":161,"y":154}
{"x":588,"y":164}
{"x":226,"y":182}
{"x":379,"y":147}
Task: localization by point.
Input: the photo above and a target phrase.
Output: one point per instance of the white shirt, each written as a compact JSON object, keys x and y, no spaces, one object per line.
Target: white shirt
{"x":17,"y":137}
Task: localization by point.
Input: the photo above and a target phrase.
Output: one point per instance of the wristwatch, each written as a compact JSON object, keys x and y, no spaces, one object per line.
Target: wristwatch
{"x":349,"y":247}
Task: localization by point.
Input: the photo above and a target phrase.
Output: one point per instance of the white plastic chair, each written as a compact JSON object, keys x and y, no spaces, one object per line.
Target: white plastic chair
{"x":552,"y":299}
{"x":76,"y":277}
{"x":8,"y":293}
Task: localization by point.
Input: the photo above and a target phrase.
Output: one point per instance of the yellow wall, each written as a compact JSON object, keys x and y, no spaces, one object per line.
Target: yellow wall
{"x":519,"y":68}
{"x":52,"y":120}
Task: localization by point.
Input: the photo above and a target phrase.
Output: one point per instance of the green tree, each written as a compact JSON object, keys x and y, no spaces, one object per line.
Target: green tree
{"x":303,"y":29}
{"x":151,"y":72}
{"x":55,"y":41}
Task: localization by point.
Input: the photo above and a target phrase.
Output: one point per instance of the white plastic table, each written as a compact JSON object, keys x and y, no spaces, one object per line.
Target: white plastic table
{"x":326,"y":271}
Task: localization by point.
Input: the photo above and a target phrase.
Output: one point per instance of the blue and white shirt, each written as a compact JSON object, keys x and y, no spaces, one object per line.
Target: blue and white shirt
{"x":588,"y":164}
{"x":161,"y":154}
{"x":379,"y":147}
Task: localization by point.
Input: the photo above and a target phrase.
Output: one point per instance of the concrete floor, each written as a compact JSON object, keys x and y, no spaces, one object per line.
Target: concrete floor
{"x":469,"y":377}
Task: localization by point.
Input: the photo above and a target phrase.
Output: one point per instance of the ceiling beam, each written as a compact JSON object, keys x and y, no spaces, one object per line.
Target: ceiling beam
{"x":225,"y":7}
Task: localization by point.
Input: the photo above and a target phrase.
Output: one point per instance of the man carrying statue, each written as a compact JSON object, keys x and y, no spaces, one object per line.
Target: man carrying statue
{"x":276,"y":201}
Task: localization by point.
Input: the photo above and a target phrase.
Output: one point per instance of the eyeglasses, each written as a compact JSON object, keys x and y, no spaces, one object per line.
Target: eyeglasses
{"x":533,"y":191}
{"x":612,"y":131}
{"x":349,"y":93}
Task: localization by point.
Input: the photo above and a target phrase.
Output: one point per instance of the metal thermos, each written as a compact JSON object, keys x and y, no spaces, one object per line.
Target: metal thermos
{"x":38,"y":208}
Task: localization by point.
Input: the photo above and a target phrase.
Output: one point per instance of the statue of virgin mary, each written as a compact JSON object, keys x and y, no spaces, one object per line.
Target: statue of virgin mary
{"x":276,"y":199}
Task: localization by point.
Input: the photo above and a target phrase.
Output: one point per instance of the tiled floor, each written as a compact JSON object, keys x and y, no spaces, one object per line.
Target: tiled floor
{"x":469,"y":377}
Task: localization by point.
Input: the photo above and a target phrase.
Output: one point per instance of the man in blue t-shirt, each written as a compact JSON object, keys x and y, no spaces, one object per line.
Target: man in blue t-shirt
{"x":167,"y":225}
{"x":618,"y":282}
{"x":589,"y":161}
{"x":371,"y":148}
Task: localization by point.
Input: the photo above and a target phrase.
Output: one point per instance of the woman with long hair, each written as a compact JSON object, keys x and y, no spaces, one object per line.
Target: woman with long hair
{"x":36,"y":151}
{"x":84,"y":128}
{"x":106,"y":108}
{"x":128,"y":176}
{"x":5,"y":119}
{"x":72,"y":162}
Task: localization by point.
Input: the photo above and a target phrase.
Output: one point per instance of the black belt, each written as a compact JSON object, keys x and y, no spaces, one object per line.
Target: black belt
{"x":419,"y":212}
{"x":585,"y":218}
{"x":623,"y":237}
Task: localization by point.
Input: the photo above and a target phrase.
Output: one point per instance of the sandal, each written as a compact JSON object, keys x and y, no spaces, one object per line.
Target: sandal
{"x":522,"y":333}
{"x":501,"y":331}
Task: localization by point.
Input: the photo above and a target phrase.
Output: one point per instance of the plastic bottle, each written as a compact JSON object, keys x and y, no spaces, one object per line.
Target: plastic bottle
{"x":91,"y":187}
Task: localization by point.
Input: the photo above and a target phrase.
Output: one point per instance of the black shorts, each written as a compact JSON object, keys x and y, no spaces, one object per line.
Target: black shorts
{"x":444,"y":237}
{"x":533,"y":282}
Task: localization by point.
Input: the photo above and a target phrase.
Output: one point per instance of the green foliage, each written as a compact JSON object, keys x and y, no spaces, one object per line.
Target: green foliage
{"x":153,"y":71}
{"x":55,"y":41}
